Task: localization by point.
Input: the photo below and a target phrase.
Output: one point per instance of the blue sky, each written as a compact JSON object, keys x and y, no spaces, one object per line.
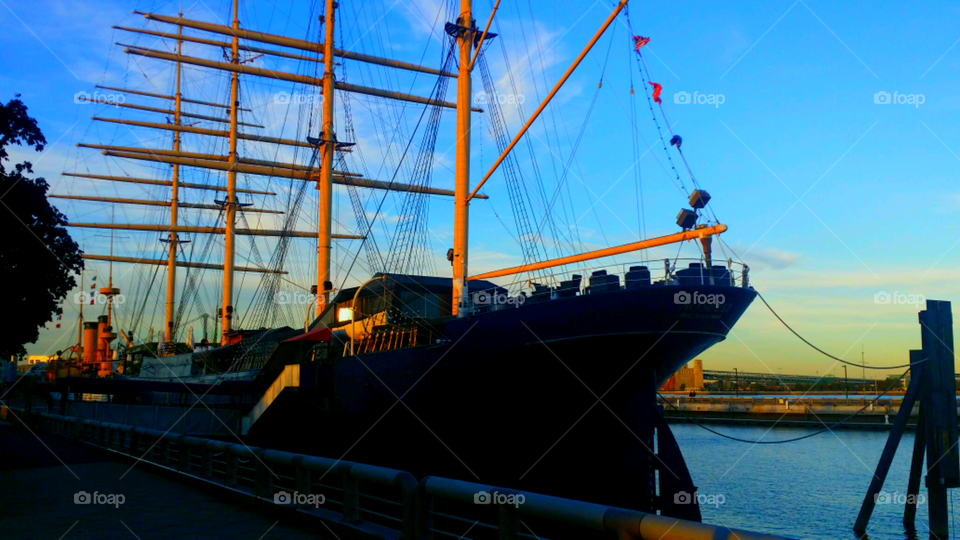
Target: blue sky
{"x":877,"y":183}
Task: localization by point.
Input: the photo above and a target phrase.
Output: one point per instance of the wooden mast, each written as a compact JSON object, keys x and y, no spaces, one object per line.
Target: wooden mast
{"x":278,"y":75}
{"x":284,"y":41}
{"x":231,"y":163}
{"x":83,"y":288}
{"x":230,"y":203}
{"x":149,"y":182}
{"x":462,"y":169}
{"x":110,"y":282}
{"x":692,"y":234}
{"x":150,"y":202}
{"x":174,"y":200}
{"x":325,"y":178}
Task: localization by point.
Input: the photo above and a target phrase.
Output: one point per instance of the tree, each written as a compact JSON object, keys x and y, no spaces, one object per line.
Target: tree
{"x":38,"y":259}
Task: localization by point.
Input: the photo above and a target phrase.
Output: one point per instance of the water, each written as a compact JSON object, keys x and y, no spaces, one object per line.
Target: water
{"x":807,"y":489}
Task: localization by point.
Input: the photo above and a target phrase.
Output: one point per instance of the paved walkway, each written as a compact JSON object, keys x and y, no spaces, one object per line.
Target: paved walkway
{"x":41,"y":474}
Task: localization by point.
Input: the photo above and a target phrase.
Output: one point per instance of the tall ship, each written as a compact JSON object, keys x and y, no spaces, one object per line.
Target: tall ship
{"x":276,"y":192}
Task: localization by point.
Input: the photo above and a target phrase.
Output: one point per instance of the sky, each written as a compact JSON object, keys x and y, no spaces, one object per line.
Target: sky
{"x":825,"y":132}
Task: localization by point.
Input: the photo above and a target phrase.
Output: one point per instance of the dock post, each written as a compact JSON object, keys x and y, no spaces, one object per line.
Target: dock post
{"x":351,"y":494}
{"x":940,"y":408}
{"x":230,"y":467}
{"x":507,"y":521}
{"x":424,"y":505}
{"x":206,"y":459}
{"x":262,"y":475}
{"x":890,"y":449}
{"x":913,"y":484}
{"x":164,"y":450}
{"x":183,"y":454}
{"x":302,"y":475}
{"x":933,"y":382}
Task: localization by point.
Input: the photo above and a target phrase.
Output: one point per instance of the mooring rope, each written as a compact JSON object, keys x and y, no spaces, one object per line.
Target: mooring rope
{"x":795,"y":439}
{"x":825,"y":353}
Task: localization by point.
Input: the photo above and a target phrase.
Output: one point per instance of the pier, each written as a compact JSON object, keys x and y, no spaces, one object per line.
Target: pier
{"x":44,"y":473}
{"x":859,"y":412}
{"x":182,"y":486}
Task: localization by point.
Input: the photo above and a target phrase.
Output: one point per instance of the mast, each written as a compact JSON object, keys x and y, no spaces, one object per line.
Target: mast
{"x":231,"y":203}
{"x":325,"y":178}
{"x":105,"y":334}
{"x":172,"y":254}
{"x":462,"y":169}
{"x":110,"y":283}
{"x":83,"y":288}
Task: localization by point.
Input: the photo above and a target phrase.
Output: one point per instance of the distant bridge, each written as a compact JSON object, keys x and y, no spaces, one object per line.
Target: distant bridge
{"x":774,"y":378}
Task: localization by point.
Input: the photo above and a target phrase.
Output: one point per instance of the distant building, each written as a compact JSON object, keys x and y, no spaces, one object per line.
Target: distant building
{"x":26,"y":363}
{"x":686,"y":378}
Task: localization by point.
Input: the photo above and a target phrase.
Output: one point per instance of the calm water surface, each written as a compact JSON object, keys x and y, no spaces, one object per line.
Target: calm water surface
{"x":806,"y":489}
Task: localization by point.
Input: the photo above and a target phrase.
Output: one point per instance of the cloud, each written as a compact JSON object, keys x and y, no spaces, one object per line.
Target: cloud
{"x":920,"y":279}
{"x":421,"y":14}
{"x":773,"y":259}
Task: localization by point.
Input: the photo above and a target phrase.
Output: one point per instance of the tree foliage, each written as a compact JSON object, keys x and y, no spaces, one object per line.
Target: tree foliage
{"x":38,"y":259}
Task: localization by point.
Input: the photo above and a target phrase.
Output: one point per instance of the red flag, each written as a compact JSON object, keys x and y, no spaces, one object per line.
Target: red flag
{"x":640,"y":41}
{"x":656,"y":91}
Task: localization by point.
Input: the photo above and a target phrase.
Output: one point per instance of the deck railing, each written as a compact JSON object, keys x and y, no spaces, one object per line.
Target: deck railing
{"x":376,"y":502}
{"x":574,"y":281}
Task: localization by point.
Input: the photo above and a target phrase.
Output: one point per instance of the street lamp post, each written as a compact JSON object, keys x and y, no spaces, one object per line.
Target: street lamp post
{"x":736,"y":380}
{"x":846,"y":387}
{"x":863,"y":361}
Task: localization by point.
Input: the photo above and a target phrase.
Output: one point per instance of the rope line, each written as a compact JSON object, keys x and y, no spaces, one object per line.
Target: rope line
{"x":825,"y":353}
{"x":783,"y":441}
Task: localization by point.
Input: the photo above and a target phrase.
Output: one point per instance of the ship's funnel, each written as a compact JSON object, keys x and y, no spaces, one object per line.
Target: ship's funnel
{"x":105,"y":335}
{"x":90,"y":342}
{"x":103,"y":328}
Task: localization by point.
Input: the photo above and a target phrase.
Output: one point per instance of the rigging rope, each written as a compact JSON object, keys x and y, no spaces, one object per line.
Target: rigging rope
{"x":531,"y":244}
{"x":386,"y":192}
{"x":675,"y":140}
{"x":678,"y":182}
{"x":408,"y":252}
{"x":635,"y":148}
{"x":522,"y":117}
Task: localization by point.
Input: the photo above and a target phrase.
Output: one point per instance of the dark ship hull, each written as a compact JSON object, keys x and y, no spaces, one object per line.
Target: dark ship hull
{"x":556,"y":397}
